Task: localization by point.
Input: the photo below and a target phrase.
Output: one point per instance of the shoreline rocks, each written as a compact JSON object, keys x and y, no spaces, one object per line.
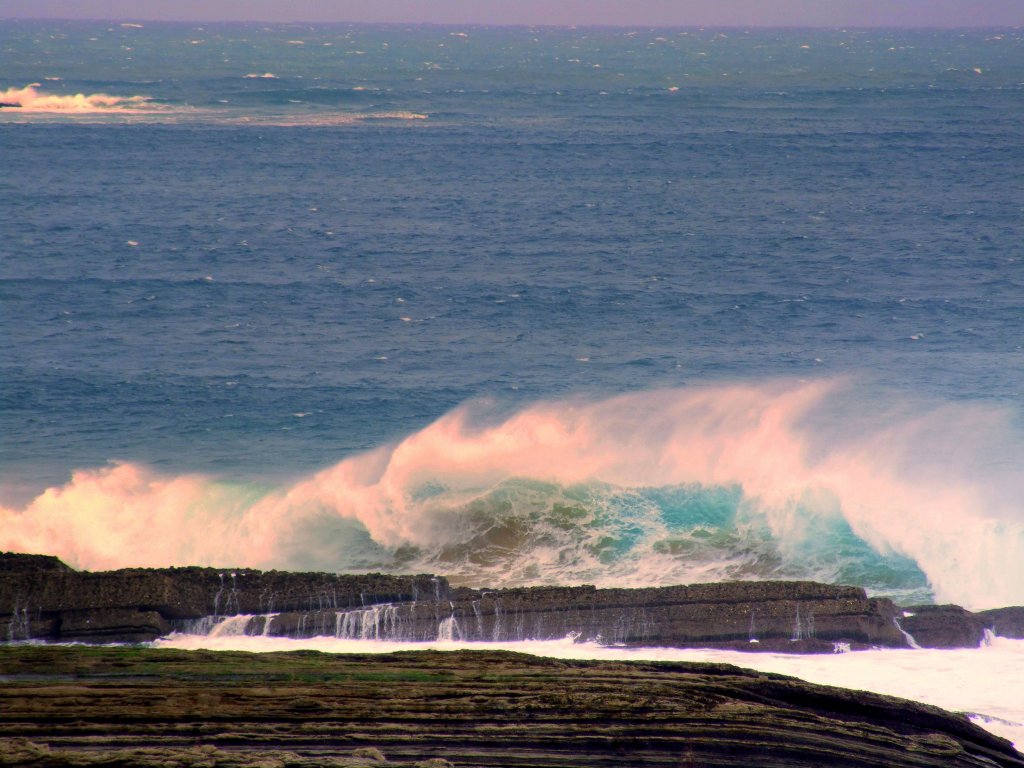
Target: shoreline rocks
{"x":65,"y":707}
{"x":944,"y":626}
{"x":1005,"y":622}
{"x":42,"y":598}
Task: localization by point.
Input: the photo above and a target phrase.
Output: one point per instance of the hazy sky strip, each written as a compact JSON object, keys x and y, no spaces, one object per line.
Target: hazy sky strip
{"x":812,"y":13}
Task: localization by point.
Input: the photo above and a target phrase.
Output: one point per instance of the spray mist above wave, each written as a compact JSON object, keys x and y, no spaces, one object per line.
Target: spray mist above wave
{"x":31,"y":102}
{"x":773,"y":480}
{"x":30,"y":99}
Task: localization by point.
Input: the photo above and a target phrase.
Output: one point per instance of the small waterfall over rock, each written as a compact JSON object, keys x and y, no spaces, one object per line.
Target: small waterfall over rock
{"x":140,"y":605}
{"x":378,"y":622}
{"x":231,"y":626}
{"x":803,"y":628}
{"x":18,"y":626}
{"x":760,"y":616}
{"x":479,"y":617}
{"x":227,"y":596}
{"x":909,"y":637}
{"x":203,"y":626}
{"x":448,"y":630}
{"x":227,"y":626}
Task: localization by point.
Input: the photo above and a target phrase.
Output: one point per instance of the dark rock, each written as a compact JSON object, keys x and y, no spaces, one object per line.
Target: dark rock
{"x":38,"y":593}
{"x":703,"y":614}
{"x":15,"y":562}
{"x":40,"y":597}
{"x":943,"y":626}
{"x":247,"y":591}
{"x":798,"y":617}
{"x":1005,"y":622}
{"x":19,"y":625}
{"x":112,"y":625}
{"x":75,"y":706}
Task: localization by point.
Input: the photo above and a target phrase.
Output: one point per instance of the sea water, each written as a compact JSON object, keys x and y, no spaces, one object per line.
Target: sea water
{"x":517,"y":305}
{"x":619,"y":306}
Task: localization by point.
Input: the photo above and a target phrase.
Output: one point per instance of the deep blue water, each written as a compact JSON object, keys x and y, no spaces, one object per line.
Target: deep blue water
{"x":254,"y":278}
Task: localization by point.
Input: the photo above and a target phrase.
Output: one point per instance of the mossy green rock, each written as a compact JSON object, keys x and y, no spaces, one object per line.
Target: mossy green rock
{"x":117,"y":706}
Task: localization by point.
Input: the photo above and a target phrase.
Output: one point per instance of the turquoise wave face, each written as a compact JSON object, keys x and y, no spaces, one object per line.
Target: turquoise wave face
{"x":244,"y":263}
{"x":531,"y":532}
{"x":771,"y":481}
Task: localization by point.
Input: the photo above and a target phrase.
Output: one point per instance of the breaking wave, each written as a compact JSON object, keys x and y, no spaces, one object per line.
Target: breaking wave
{"x":774,"y":480}
{"x":29,"y":99}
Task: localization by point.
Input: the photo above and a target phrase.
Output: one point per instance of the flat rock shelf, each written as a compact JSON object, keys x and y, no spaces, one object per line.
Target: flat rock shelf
{"x":41,"y":598}
{"x":136,"y":706}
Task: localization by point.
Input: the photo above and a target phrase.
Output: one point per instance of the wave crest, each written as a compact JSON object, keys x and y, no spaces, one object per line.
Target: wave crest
{"x":29,"y":99}
{"x":772,"y":480}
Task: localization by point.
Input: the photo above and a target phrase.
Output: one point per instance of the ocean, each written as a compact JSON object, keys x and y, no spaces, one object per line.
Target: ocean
{"x":517,"y":305}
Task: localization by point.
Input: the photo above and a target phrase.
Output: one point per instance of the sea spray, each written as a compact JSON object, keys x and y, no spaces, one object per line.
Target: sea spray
{"x":31,"y":99}
{"x":772,"y":480}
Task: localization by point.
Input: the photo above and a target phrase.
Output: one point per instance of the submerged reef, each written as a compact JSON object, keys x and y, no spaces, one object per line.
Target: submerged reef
{"x":41,"y":598}
{"x":86,"y":706}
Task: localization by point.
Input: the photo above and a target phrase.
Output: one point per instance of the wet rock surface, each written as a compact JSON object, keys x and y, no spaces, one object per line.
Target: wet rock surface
{"x":41,"y":598}
{"x":944,"y":626}
{"x":731,"y":614}
{"x":1005,"y":622}
{"x":85,"y":706}
{"x":141,"y":604}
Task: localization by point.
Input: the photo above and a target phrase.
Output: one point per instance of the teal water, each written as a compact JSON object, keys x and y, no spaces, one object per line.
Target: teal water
{"x":622,"y":306}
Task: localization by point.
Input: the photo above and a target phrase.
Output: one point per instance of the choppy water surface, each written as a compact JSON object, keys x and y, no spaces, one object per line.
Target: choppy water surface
{"x":517,"y":305}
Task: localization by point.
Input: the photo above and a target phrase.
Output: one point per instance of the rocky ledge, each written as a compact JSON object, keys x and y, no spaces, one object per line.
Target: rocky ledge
{"x":42,"y":598}
{"x":79,"y":706}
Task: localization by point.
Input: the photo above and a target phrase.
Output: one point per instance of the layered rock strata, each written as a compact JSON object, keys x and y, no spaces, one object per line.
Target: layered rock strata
{"x":41,"y":598}
{"x":140,"y":604}
{"x":64,"y":707}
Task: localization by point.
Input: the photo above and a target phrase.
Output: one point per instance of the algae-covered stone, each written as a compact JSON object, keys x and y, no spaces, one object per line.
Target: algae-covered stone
{"x":369,"y":753}
{"x":71,"y":707}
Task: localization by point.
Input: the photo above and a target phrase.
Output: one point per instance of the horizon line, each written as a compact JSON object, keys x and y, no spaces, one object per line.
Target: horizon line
{"x":521,"y":25}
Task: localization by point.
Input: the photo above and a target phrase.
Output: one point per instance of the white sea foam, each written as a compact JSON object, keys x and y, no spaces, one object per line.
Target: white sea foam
{"x":984,"y":682}
{"x":313,"y":119}
{"x":940,"y":486}
{"x":30,"y":99}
